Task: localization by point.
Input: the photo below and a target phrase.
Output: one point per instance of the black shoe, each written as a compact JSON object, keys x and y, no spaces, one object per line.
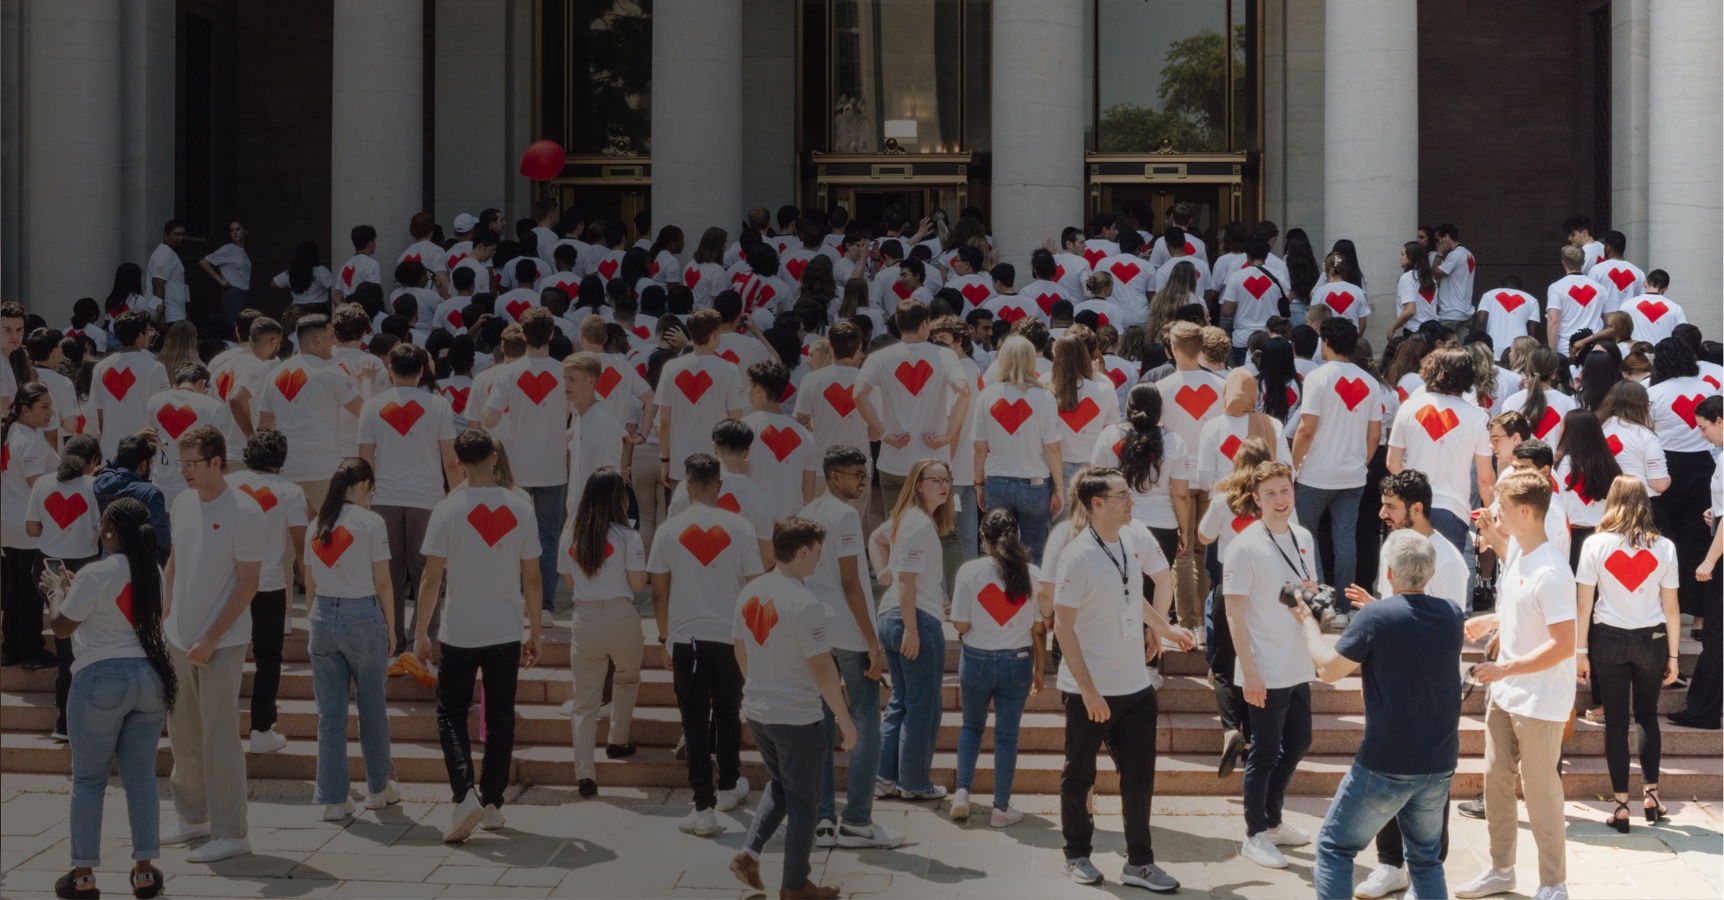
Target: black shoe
{"x":1230,"y":753}
{"x":41,"y":659}
{"x":588,"y":788}
{"x":618,"y":751}
{"x":1473,"y":809}
{"x":10,"y":658}
{"x":1687,"y":721}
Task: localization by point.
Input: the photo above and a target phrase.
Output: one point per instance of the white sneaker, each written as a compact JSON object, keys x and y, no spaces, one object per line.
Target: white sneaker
{"x":1552,"y":892}
{"x":884,"y":789}
{"x":389,"y":796}
{"x":1490,"y":881}
{"x":825,"y":833}
{"x":220,"y":849}
{"x":1337,"y":621}
{"x":267,"y":741}
{"x":185,"y":832}
{"x":701,"y":823}
{"x":731,"y":799}
{"x":1383,"y":881}
{"x":1005,"y":818}
{"x":546,"y":620}
{"x":1285,"y":835}
{"x":337,"y":812}
{"x":934,"y":793}
{"x":961,"y":804}
{"x":464,"y":818}
{"x":874,"y":836}
{"x":1262,"y":851}
{"x":493,"y":818}
{"x":567,"y":710}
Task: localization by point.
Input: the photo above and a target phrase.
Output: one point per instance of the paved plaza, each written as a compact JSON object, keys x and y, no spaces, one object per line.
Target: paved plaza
{"x":625,"y":844}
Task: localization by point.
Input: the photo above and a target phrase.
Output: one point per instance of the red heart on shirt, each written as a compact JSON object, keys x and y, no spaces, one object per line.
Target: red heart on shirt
{"x":290,"y":382}
{"x":401,"y":417}
{"x":1437,"y":422}
{"x":902,"y":291}
{"x":516,"y":307}
{"x":653,"y":272}
{"x":65,"y":509}
{"x":1582,"y":293}
{"x":124,"y":602}
{"x":1118,"y":446}
{"x":1615,"y":444}
{"x":1683,"y":407}
{"x":456,"y":260}
{"x":1010,"y":314}
{"x":1118,"y":376}
{"x":1190,"y":249}
{"x":119,"y":382}
{"x":1622,"y":278}
{"x":1352,"y":391}
{"x":1046,"y":302}
{"x":706,"y":544}
{"x":759,"y":617}
{"x":1010,"y":415}
{"x":1059,"y":273}
{"x":841,"y":398}
{"x":536,"y":385}
{"x":347,"y":276}
{"x":1256,"y":285}
{"x":1196,"y":400}
{"x":1230,"y":446}
{"x":728,"y":503}
{"x":224,"y":383}
{"x":795,"y":267}
{"x":642,"y":332}
{"x":781,"y":441}
{"x":1471,"y":263}
{"x":330,"y":551}
{"x":1079,"y":418}
{"x":730,"y":357}
{"x":1125,"y":271}
{"x":1548,"y":421}
{"x":492,"y":524}
{"x":1631,"y":571}
{"x":1094,"y":256}
{"x":1509,"y":302}
{"x":693,"y":384}
{"x":976,"y":294}
{"x":5,"y":458}
{"x":691,"y":277}
{"x":1240,"y":523}
{"x":914,"y":376}
{"x":1400,"y":392}
{"x":413,"y":257}
{"x":1340,"y":301}
{"x":607,"y":381}
{"x":263,"y":497}
{"x":1428,"y":295}
{"x":457,"y":398}
{"x":176,"y":419}
{"x":608,"y":269}
{"x":1292,"y":396}
{"x":1577,"y":485}
{"x":1653,"y":311}
{"x":998,"y":605}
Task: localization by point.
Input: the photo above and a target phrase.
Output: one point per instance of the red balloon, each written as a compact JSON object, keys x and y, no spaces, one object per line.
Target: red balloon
{"x":542,"y":161}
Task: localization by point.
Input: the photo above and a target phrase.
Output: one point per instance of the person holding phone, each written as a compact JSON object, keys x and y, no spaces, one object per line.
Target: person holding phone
{"x":62,"y":517}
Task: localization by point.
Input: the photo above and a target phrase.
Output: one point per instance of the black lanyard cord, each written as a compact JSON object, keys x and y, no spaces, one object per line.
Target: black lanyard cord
{"x":1300,"y":568}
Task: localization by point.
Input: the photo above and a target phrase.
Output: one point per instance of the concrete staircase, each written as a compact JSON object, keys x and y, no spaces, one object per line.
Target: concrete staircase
{"x":1189,"y":736}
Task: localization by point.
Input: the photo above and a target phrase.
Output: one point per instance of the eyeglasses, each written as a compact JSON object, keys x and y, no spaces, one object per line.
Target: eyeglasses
{"x":1122,"y":495}
{"x":943,"y":481}
{"x":859,"y":474}
{"x":186,"y":463}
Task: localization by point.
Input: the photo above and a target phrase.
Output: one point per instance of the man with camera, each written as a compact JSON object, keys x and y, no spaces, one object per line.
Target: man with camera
{"x":1407,"y":646}
{"x":1271,"y":565}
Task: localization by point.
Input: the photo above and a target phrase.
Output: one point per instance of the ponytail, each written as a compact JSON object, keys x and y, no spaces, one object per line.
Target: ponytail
{"x":1000,"y":532}
{"x":1141,"y":455}
{"x":352,"y":471}
{"x":1538,"y":367}
{"x":28,"y":394}
{"x":130,"y":521}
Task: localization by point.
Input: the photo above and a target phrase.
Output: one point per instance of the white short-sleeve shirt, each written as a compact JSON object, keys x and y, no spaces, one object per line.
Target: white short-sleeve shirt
{"x":1109,"y":616}
{"x":1254,"y":568}
{"x":209,"y":540}
{"x":997,"y":620}
{"x":483,"y":533}
{"x":341,"y":566}
{"x":1535,"y":591}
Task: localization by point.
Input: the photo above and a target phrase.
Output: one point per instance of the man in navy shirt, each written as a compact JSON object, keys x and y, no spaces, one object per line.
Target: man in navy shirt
{"x":128,"y":475}
{"x":1408,"y":648}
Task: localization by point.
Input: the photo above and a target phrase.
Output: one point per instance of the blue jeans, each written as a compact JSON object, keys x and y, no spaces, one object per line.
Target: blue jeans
{"x":912,"y":720}
{"x":1029,"y":502}
{"x":1365,"y":802}
{"x":1296,"y":317}
{"x":349,"y":646}
{"x":1342,"y":505}
{"x":115,"y":709}
{"x":1002,"y":676}
{"x":548,"y":512}
{"x":864,"y":694}
{"x":968,"y":520}
{"x":1446,"y":524}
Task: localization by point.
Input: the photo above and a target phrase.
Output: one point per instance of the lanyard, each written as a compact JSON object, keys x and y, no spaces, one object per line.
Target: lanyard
{"x":1300,"y":568}
{"x":1118,"y":564}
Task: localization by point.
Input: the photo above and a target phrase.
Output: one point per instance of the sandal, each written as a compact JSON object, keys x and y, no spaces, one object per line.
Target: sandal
{"x":1620,"y":824}
{"x":73,"y":886}
{"x":1657,"y":812}
{"x":147,"y":884}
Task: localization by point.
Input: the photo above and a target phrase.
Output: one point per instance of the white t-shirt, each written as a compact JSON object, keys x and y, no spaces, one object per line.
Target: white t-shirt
{"x":120,"y":390}
{"x":1070,"y":269}
{"x":1441,"y":434}
{"x":1035,"y":299}
{"x":457,"y":390}
{"x":308,"y":396}
{"x":1424,"y":304}
{"x":910,"y":385}
{"x":315,"y":293}
{"x":1346,"y":299}
{"x":964,"y":463}
{"x":1194,"y":250}
{"x":1548,"y":428}
{"x":1673,"y":417}
{"x":233,"y":263}
{"x":362,"y":268}
{"x":341,"y":566}
{"x":997,"y":621}
{"x":1163,"y":270}
{"x":448,"y":315}
{"x":1655,"y":317}
{"x":1255,"y":567}
{"x":1448,"y":578}
{"x":513,"y":304}
{"x":209,"y":540}
{"x":710,"y":554}
{"x":1345,"y":399}
{"x":165,"y":265}
{"x":843,"y":540}
{"x":828,"y":398}
{"x":1637,"y":451}
{"x":406,"y":426}
{"x":763,"y":296}
{"x":1593,"y":255}
{"x":483,"y":533}
{"x":1621,"y":280}
{"x":1016,"y":425}
{"x":1257,"y":294}
{"x":705,"y":281}
{"x":1507,"y":312}
{"x":1219,"y":443}
{"x":482,"y":281}
{"x":1535,"y":591}
{"x":1096,"y":249}
{"x":538,"y":413}
{"x":915,"y":551}
{"x":1578,"y":511}
{"x":100,"y":601}
{"x":595,"y":441}
{"x":1154,"y":505}
{"x":1221,"y":526}
{"x":457,"y":251}
{"x":1189,"y":399}
{"x":1110,"y":615}
{"x":977,"y":289}
{"x":67,"y":512}
{"x":426,"y":303}
{"x":607,"y":263}
{"x":427,"y":254}
{"x":1581,"y":303}
{"x":624,"y":553}
{"x":1455,"y":288}
{"x":780,"y":626}
{"x":699,"y":391}
{"x":1080,"y":428}
{"x":737,"y":493}
{"x":284,"y":507}
{"x":173,"y":413}
{"x":26,"y":455}
{"x":785,"y":450}
{"x":1133,"y":278}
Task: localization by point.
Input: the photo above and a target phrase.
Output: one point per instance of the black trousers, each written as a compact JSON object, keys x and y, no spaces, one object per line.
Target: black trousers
{"x":1680,"y":512}
{"x":1705,"y":694}
{"x":709,"y":695}
{"x":1129,"y":734}
{"x":1229,"y":697}
{"x":1390,"y":850}
{"x":1628,"y":668}
{"x":499,"y":665}
{"x":268,"y":618}
{"x":21,"y":602}
{"x":1280,"y":735}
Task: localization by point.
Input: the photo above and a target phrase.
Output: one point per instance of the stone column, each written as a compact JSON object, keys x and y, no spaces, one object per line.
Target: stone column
{"x":1293,"y":116}
{"x":769,"y":109}
{"x":697,"y":116}
{"x":377,"y":147}
{"x":73,"y":143}
{"x":1683,"y":187}
{"x":1371,"y":138}
{"x":147,"y":120}
{"x":1038,"y":129}
{"x":1629,"y":61}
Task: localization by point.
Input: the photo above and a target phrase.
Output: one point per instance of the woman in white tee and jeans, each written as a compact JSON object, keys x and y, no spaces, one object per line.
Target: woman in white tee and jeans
{"x":62,"y":518}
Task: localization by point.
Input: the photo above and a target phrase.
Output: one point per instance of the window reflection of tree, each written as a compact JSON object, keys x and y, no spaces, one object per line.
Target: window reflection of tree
{"x":1193,"y":95}
{"x":610,"y":77}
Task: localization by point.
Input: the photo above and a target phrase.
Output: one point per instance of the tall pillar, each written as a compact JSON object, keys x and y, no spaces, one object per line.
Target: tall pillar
{"x":769,"y":110}
{"x":481,"y":125}
{"x":1371,"y":138}
{"x":697,"y":116}
{"x":1038,"y":128}
{"x":1293,"y":116}
{"x":1629,"y":86}
{"x":73,"y":142}
{"x":147,"y":120}
{"x":377,"y":146}
{"x":1683,"y":187}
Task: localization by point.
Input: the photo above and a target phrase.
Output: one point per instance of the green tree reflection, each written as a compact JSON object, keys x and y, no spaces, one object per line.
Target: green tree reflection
{"x":1193,"y":91}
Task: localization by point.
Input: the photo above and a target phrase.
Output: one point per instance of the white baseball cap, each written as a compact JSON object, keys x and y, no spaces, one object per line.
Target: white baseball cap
{"x":464,"y":222}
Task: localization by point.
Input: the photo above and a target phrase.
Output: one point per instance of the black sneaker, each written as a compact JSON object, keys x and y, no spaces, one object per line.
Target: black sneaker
{"x":1473,"y":809}
{"x":41,"y":659}
{"x":618,"y":751}
{"x":10,"y":658}
{"x":1232,"y":749}
{"x":588,"y":788}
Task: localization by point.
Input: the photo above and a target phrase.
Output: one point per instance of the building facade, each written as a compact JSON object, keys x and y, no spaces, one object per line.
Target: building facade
{"x":1357,"y":119}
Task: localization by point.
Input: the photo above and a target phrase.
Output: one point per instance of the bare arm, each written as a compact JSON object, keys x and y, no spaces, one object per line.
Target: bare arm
{"x":210,"y":270}
{"x":1397,"y":459}
{"x":661,"y":612}
{"x":1553,"y":327}
{"x":1401,"y":318}
{"x":850,"y":577}
{"x":1302,"y":437}
{"x":1558,"y":647}
{"x":240,"y":405}
{"x":1487,"y":478}
{"x":1255,"y":694}
{"x":1071,"y":653}
{"x":429,"y":584}
{"x":1331,"y":666}
{"x":451,"y":466}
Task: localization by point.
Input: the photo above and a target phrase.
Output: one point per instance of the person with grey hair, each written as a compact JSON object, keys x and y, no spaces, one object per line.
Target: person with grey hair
{"x":1406,"y":646}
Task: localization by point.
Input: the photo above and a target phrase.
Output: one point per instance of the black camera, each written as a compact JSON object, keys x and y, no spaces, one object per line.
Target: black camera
{"x":1321,"y":601}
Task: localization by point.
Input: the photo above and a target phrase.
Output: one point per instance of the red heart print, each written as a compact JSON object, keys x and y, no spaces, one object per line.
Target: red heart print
{"x":691,"y":277}
{"x":5,"y":458}
{"x":1079,"y":419}
{"x":1094,"y":256}
{"x":401,"y":417}
{"x":1631,"y":570}
{"x":1101,"y":318}
{"x":124,"y":602}
{"x":1010,"y":415}
{"x":1190,"y":249}
{"x":727,"y":502}
{"x":457,"y":398}
{"x":642,"y":332}
{"x":1437,"y":422}
{"x":607,"y":381}
{"x":1428,"y":295}
{"x":1292,"y":396}
{"x":1256,"y":285}
{"x":976,"y":294}
{"x":1059,"y":273}
{"x":119,"y":382}
{"x":263,"y":496}
{"x":1230,"y":446}
{"x":841,"y":398}
{"x":653,"y":272}
{"x":413,"y":257}
{"x":781,"y":441}
{"x":795,"y":268}
{"x":1706,"y":378}
{"x":536,"y":385}
{"x":705,"y":543}
{"x":608,"y":269}
{"x":1009,"y":314}
{"x":1117,"y":376}
{"x":289,"y":382}
{"x":1615,"y":444}
{"x":65,"y":509}
{"x":1000,"y":607}
{"x":1471,"y":263}
{"x":330,"y":551}
{"x":492,"y":524}
{"x":1240,"y":523}
{"x":1352,"y":391}
{"x":1622,"y":278}
{"x":176,"y":419}
{"x":1683,"y":407}
{"x":1046,"y":303}
{"x":347,"y":276}
{"x":730,"y":357}
{"x":80,"y":425}
{"x":693,"y":383}
{"x":516,"y":307}
{"x":902,"y":291}
{"x":760,"y":618}
{"x":914,"y":376}
{"x":1196,"y":400}
{"x":761,"y":295}
{"x":1125,"y":271}
{"x":456,"y":260}
{"x":1401,"y":392}
{"x":1340,"y":301}
{"x":1582,"y":293}
{"x":1548,"y":421}
{"x":1509,"y":302}
{"x":224,"y":383}
{"x":1653,"y":311}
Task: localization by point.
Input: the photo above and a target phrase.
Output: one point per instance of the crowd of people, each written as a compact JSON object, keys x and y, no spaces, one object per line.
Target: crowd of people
{"x":554,"y":406}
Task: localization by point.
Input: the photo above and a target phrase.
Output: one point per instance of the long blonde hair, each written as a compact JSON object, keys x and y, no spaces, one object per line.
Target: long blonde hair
{"x":1239,"y":487}
{"x":819,"y":354}
{"x":1017,"y":364}
{"x":945,"y":518}
{"x":179,"y":347}
{"x":1484,"y":371}
{"x":1077,"y":514}
{"x":1628,"y":512}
